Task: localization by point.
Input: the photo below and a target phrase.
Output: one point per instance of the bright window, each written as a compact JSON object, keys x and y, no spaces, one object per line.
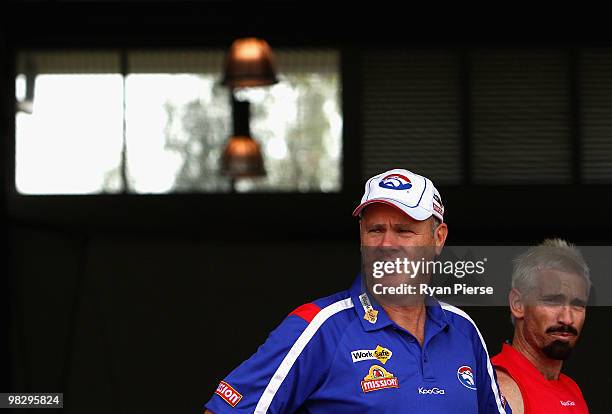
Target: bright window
{"x":177,"y":121}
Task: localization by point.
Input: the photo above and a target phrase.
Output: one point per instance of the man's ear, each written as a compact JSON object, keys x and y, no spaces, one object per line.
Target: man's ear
{"x":440,"y":237}
{"x":517,"y":303}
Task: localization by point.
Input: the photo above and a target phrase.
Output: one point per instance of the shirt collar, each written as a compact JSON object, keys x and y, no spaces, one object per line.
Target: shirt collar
{"x":376,"y":317}
{"x":435,"y":312}
{"x":373,"y":316}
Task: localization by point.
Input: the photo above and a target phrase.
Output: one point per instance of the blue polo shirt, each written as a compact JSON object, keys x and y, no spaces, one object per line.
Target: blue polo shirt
{"x":342,"y":354}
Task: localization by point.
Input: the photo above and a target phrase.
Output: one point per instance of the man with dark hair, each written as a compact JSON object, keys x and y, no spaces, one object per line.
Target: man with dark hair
{"x":550,"y":287}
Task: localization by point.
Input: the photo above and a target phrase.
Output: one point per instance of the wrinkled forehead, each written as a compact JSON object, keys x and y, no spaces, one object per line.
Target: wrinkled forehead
{"x":380,"y":213}
{"x":555,"y":282}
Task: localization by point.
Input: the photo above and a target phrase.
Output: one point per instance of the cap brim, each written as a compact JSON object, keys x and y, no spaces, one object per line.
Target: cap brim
{"x":417,"y":213}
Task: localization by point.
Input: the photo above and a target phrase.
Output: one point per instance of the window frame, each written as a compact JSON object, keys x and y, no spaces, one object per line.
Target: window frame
{"x":182,"y":210}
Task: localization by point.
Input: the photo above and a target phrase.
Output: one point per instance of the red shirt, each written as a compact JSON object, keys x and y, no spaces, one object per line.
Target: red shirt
{"x":540,"y":395}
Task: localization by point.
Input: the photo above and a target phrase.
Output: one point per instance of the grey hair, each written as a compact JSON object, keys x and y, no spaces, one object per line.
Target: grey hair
{"x":435,"y":222}
{"x":550,"y":254}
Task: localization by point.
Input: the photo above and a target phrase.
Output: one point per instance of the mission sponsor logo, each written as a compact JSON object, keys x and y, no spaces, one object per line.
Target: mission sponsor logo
{"x":228,"y":393}
{"x":380,"y":353}
{"x":567,"y":403}
{"x":378,"y":378}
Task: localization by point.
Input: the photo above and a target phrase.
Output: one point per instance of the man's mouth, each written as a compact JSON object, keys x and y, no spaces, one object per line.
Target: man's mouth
{"x":562,"y":334}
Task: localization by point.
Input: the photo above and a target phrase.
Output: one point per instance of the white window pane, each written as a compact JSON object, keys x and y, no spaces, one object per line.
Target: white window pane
{"x":299,"y":126}
{"x":71,"y":143}
{"x":176,"y":127}
{"x":177,"y":124}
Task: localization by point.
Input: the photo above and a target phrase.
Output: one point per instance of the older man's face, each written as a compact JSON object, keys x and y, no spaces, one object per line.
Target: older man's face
{"x":555,"y":312}
{"x":388,"y":236}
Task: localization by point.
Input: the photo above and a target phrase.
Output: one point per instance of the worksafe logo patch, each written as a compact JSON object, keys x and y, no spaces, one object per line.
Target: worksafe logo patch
{"x":228,"y":393}
{"x":380,"y":353}
{"x":395,"y":182}
{"x":378,"y":378}
{"x":466,"y":377}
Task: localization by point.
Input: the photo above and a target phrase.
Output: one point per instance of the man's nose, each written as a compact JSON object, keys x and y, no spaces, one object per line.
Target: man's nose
{"x":565,"y":315}
{"x":389,"y":239}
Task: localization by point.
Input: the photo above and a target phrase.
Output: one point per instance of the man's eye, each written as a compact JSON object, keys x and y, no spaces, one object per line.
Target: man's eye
{"x":552,"y":301}
{"x":374,"y":231}
{"x":578,"y":304}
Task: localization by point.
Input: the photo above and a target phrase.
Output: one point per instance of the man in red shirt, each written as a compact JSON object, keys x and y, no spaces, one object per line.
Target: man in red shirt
{"x":550,"y":288}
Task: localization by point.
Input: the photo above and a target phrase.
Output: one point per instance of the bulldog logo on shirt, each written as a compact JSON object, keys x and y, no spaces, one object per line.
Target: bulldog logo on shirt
{"x":465,"y":375}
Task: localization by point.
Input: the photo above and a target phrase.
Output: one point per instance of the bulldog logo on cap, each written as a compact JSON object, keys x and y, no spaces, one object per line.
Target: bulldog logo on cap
{"x":412,"y":193}
{"x":395,"y":182}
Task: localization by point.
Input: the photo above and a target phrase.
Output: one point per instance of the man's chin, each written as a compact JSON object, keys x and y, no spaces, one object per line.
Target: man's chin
{"x":559,"y":349}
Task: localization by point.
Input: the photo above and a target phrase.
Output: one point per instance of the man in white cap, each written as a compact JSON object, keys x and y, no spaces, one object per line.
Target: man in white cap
{"x":354,"y":351}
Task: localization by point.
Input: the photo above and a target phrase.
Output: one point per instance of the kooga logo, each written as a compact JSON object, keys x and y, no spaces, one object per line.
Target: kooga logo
{"x":434,"y":390}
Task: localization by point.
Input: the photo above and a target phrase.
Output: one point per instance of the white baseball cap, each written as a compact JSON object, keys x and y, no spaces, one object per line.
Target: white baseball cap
{"x":414,"y":194}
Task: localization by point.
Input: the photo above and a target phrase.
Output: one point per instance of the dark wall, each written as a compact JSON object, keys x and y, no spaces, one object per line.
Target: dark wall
{"x":142,"y":303}
{"x":5,"y":288}
{"x":152,"y":323}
